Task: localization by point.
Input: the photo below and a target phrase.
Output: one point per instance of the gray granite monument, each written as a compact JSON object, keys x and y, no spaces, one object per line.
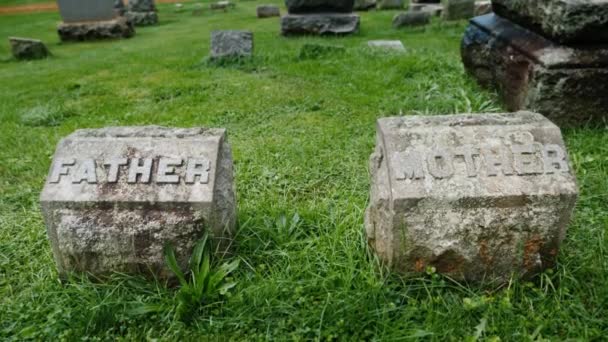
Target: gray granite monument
{"x":91,"y":20}
{"x":319,"y":17}
{"x":479,"y":197}
{"x":548,"y":56}
{"x":114,"y":197}
{"x":142,"y":12}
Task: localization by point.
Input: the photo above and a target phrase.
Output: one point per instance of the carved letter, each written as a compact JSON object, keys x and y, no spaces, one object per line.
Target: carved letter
{"x":85,"y":172}
{"x":135,"y":169}
{"x":60,"y":169}
{"x":494,"y":159}
{"x":410,"y":166}
{"x":197,"y":167}
{"x":526,"y":159}
{"x":166,"y":170}
{"x":554,"y":158}
{"x":440,"y":164}
{"x":466,"y":152}
{"x":114,"y":168}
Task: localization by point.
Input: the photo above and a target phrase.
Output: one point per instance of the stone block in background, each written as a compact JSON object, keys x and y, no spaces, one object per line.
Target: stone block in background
{"x":267,"y":11}
{"x":75,"y":11}
{"x":96,"y":30}
{"x":565,"y":83}
{"x":458,"y":9}
{"x":434,"y":9}
{"x":389,"y":4}
{"x":411,"y":19}
{"x":27,"y":49}
{"x":142,"y":12}
{"x":114,"y":197}
{"x":231,"y":44}
{"x":479,"y":197}
{"x":319,"y":24}
{"x":564,"y":21}
{"x":364,"y":5}
{"x":319,"y":6}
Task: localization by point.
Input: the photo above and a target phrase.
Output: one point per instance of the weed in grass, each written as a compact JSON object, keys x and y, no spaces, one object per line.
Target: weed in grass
{"x":49,"y":114}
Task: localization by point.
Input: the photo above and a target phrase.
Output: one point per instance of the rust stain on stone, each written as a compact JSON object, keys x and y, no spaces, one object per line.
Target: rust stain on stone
{"x":419,"y":265}
{"x":531,"y":249}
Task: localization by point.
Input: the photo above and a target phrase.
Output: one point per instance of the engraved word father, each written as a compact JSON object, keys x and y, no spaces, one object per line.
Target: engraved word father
{"x":135,"y":170}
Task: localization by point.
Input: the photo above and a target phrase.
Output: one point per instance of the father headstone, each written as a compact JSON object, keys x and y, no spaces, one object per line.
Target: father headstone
{"x":479,"y":197}
{"x":142,"y":12}
{"x":25,"y":48}
{"x":546,"y":56}
{"x":91,"y":20}
{"x":319,"y":17}
{"x":114,"y":197}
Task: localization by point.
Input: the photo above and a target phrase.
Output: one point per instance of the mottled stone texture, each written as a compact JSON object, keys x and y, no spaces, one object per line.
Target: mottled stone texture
{"x":433,"y":9}
{"x":231,"y":44}
{"x":142,"y":12}
{"x":115,"y":197}
{"x":364,"y":5}
{"x":566,"y":84}
{"x":390,"y":4}
{"x":479,"y":197}
{"x":26,"y":48}
{"x":319,"y":24}
{"x":483,"y":7}
{"x":96,"y":30}
{"x":267,"y":11}
{"x":317,"y":6}
{"x":410,"y":19}
{"x":458,"y":9}
{"x":564,"y":21}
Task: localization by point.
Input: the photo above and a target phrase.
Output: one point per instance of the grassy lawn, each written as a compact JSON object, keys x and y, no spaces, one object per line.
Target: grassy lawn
{"x":302,"y":131}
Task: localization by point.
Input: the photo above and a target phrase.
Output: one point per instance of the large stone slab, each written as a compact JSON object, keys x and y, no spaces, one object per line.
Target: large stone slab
{"x":319,"y":24}
{"x":120,"y":27}
{"x":565,"y":21}
{"x":231,"y":44}
{"x":73,"y":11}
{"x":319,"y":6}
{"x":566,"y":84}
{"x":479,"y":197}
{"x":115,"y":196}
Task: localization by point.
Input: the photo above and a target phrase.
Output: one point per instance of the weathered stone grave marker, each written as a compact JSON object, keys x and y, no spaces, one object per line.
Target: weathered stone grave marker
{"x":390,"y":4}
{"x":231,"y":44}
{"x":91,"y":20}
{"x":478,"y":197}
{"x":458,"y":9}
{"x":142,"y":12}
{"x":547,"y":56}
{"x":115,"y":196}
{"x":319,"y":17}
{"x":267,"y":11}
{"x":411,"y":19}
{"x":26,"y":48}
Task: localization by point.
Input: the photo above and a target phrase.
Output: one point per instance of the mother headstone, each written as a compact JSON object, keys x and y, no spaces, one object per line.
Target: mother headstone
{"x":114,"y":197}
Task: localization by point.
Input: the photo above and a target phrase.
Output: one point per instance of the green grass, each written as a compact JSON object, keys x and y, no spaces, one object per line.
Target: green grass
{"x":302,"y":131}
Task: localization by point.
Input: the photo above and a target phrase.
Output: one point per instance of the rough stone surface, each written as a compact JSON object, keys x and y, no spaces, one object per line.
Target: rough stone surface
{"x":478,"y":197}
{"x":116,"y":196}
{"x":119,"y":7}
{"x":73,"y":11}
{"x":434,"y":9}
{"x":566,"y":84}
{"x":231,"y":44}
{"x":409,"y":19}
{"x":565,"y":21}
{"x":26,"y":48}
{"x":483,"y":7}
{"x":267,"y":11}
{"x":394,"y":45}
{"x":390,"y":4}
{"x":364,"y":5}
{"x":458,"y":9}
{"x":142,"y":18}
{"x":141,"y":6}
{"x":112,"y":29}
{"x":319,"y":24}
{"x":319,"y":6}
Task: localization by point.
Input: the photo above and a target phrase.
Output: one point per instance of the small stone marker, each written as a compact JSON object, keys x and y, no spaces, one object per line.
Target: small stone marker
{"x":115,"y":196}
{"x":26,"y":48}
{"x":567,"y":83}
{"x":221,"y":5}
{"x":231,"y":44}
{"x":267,"y":11}
{"x":483,"y":7}
{"x":478,"y":197}
{"x":142,"y":12}
{"x":458,"y":9}
{"x":319,"y":17}
{"x":364,"y":5}
{"x":91,"y":20}
{"x":389,"y":4}
{"x":411,"y":19}
{"x":394,"y":45}
{"x":434,"y":9}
